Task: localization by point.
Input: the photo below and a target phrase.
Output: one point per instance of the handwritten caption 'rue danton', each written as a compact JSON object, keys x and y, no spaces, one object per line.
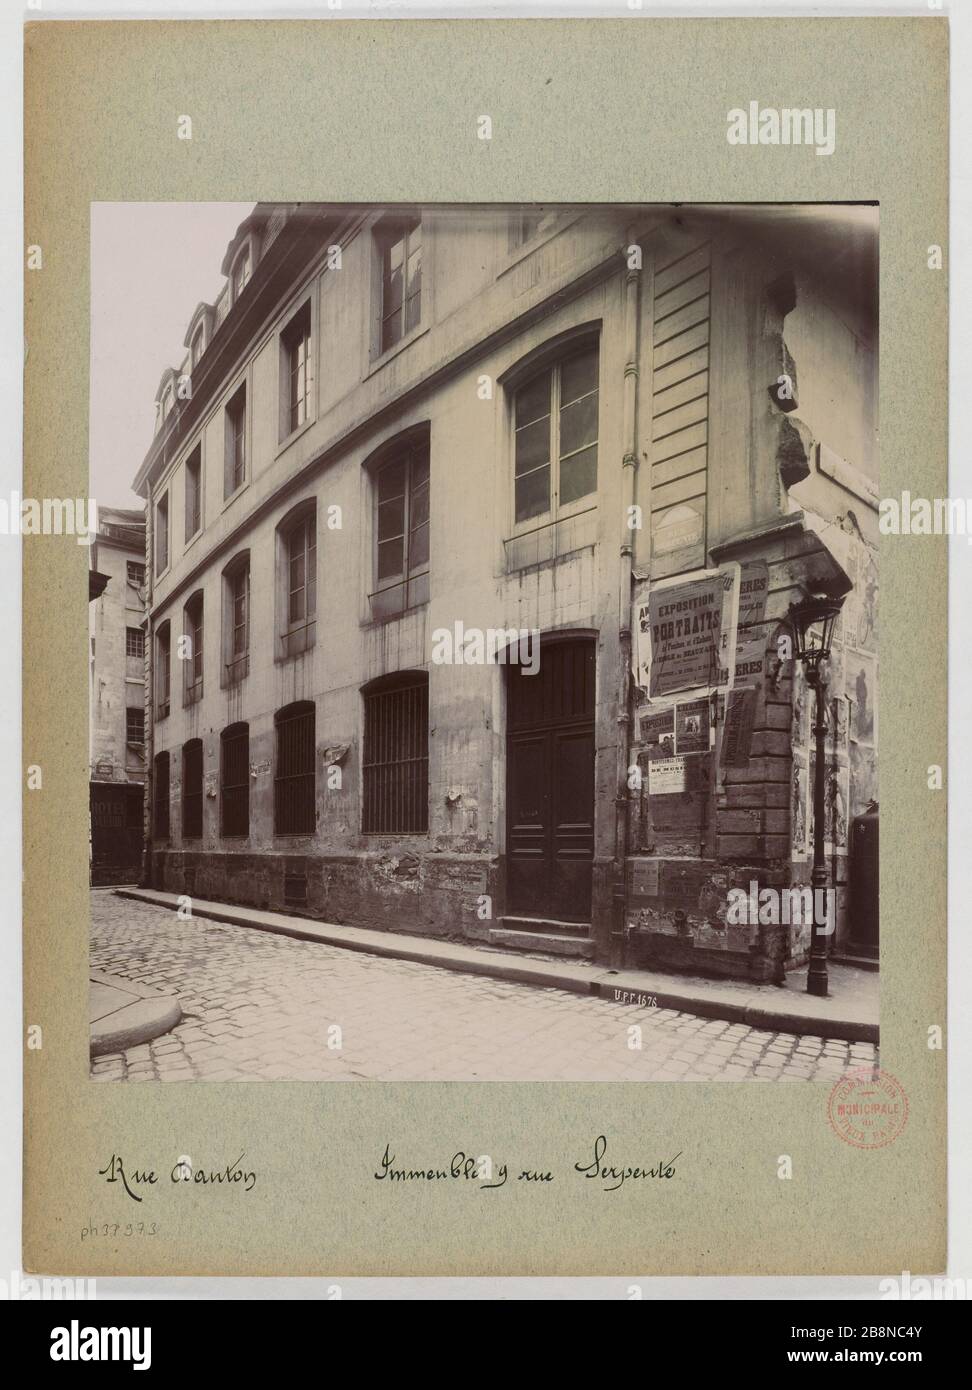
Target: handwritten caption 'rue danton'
{"x":489,"y":1175}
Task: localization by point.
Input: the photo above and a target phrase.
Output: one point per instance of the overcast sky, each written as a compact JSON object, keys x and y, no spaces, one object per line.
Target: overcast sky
{"x":151,"y":264}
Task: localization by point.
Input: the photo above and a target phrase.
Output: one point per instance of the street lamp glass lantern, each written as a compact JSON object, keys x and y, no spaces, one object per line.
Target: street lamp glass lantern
{"x":813,"y":621}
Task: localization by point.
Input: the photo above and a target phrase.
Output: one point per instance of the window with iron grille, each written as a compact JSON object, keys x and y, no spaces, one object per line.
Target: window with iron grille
{"x":193,"y":663}
{"x":192,"y":789}
{"x":294,"y":781}
{"x":234,"y":472}
{"x":298,"y":598}
{"x":400,"y":248}
{"x":162,"y":534}
{"x":236,"y":636}
{"x":555,"y":436}
{"x":162,"y":671}
{"x":296,"y":344}
{"x":234,"y":780}
{"x":160,"y":796}
{"x":401,"y":529}
{"x":193,"y":492}
{"x":135,"y":724}
{"x":134,"y":642}
{"x":396,"y":756}
{"x":136,"y":574}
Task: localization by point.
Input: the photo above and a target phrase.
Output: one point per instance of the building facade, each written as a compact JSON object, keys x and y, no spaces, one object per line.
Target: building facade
{"x":471,"y":539}
{"x":117,"y":696}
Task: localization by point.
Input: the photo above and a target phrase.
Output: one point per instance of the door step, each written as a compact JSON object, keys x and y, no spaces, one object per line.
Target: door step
{"x":535,"y":934}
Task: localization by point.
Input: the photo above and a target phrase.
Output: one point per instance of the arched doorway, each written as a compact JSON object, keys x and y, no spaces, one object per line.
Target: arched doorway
{"x":550,"y":782}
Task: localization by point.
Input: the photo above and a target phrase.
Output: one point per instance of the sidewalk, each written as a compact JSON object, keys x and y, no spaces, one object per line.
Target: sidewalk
{"x":849,"y":1014}
{"x":122,"y":1014}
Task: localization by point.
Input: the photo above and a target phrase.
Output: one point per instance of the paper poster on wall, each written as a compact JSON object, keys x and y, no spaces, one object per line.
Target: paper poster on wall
{"x":656,"y":729}
{"x":750,"y":647}
{"x":692,"y":726}
{"x":683,"y":623}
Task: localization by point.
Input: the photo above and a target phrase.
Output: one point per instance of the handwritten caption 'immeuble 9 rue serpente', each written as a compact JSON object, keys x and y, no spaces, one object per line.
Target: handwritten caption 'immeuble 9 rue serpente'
{"x":482,"y":1171}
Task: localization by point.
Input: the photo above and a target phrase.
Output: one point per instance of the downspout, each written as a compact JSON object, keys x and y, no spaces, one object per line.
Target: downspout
{"x":629,"y":469}
{"x":149,"y":698}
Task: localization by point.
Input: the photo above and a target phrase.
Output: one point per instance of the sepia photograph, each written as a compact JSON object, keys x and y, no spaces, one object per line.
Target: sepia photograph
{"x":484,"y":642}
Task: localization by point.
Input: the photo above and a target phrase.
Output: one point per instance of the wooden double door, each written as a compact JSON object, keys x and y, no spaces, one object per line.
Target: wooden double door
{"x":550,"y":783}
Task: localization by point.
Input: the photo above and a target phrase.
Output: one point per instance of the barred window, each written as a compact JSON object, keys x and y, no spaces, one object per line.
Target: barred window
{"x":162,"y":670}
{"x":192,"y":789}
{"x":234,"y":780}
{"x":135,"y":724}
{"x":400,"y":247}
{"x":396,"y":755}
{"x":294,"y":781}
{"x":401,"y":531}
{"x":160,"y":795}
{"x":555,"y":436}
{"x":193,"y":492}
{"x":193,"y":630}
{"x":134,"y":642}
{"x":296,"y":345}
{"x":234,"y":471}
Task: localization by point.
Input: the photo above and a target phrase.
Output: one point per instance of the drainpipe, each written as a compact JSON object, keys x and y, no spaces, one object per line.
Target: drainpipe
{"x":148,"y":667}
{"x":629,"y":468}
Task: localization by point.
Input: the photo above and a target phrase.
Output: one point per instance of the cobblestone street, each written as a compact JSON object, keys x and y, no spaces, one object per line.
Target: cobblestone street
{"x":260,"y":1006}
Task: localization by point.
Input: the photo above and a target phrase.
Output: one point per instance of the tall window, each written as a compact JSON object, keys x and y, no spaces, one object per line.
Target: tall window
{"x":192,"y":789}
{"x":193,"y":629}
{"x":555,"y":450}
{"x":236,"y":610}
{"x":136,"y":574}
{"x":241,"y":273}
{"x":193,"y":492}
{"x":162,"y":670}
{"x":135,"y":724}
{"x":296,"y":346}
{"x":298,"y":550}
{"x":400,"y":249}
{"x":396,"y":755}
{"x":160,"y":796}
{"x":294,"y":782}
{"x":162,"y":534}
{"x":134,"y":642}
{"x":401,"y":531}
{"x":234,"y":780}
{"x":234,"y":472}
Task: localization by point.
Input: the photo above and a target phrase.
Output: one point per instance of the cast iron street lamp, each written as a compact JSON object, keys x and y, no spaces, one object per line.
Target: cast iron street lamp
{"x":813,"y":621}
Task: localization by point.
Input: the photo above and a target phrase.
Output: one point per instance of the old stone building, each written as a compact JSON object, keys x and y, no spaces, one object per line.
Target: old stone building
{"x":472,"y":535}
{"x":117,"y":695}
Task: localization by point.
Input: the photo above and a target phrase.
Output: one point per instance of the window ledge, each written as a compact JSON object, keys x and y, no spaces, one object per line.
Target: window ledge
{"x":294,"y":435}
{"x":192,"y":539}
{"x":376,"y":363}
{"x":228,"y":501}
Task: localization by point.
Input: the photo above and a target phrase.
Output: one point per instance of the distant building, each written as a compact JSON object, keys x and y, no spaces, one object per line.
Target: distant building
{"x":117,"y":695}
{"x":395,"y":424}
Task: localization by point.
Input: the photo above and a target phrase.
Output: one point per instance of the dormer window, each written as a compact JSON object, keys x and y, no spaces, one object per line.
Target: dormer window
{"x":241,"y":273}
{"x":196,"y":347}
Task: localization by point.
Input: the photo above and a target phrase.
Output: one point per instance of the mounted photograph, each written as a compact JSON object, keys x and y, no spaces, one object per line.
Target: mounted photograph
{"x":484,"y":642}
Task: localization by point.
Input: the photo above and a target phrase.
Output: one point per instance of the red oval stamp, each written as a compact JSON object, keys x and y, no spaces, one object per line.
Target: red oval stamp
{"x":868,"y":1108}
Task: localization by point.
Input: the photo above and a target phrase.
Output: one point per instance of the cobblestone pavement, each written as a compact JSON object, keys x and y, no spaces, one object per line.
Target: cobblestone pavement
{"x":263,"y":1006}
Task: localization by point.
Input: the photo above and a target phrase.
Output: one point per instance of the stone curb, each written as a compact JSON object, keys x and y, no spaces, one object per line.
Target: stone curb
{"x":151,"y":1015}
{"x":471,"y":960}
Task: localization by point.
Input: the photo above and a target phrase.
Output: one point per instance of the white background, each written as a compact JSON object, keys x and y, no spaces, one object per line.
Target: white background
{"x":13,"y":760}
